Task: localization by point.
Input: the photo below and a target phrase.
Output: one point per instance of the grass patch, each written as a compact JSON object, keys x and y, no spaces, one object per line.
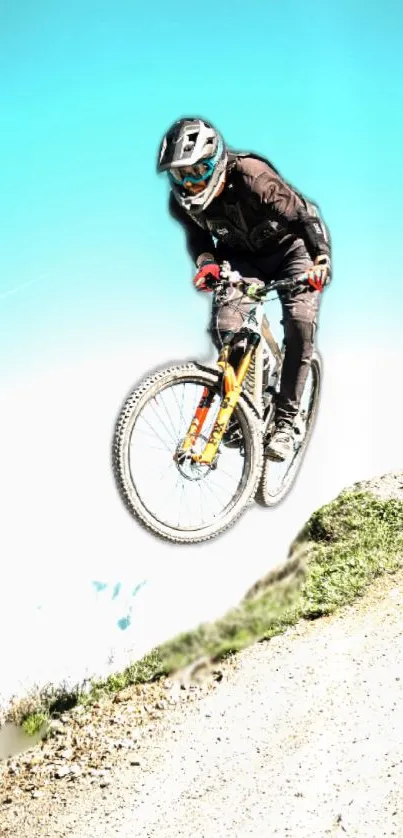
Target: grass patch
{"x":345,"y":545}
{"x":33,"y":722}
{"x":351,"y":541}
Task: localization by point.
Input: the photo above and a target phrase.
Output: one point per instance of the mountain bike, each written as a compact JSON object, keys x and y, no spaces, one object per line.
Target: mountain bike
{"x":188,"y":445}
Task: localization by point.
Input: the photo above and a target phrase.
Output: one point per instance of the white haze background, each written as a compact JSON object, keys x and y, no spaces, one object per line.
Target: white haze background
{"x":63,"y":526}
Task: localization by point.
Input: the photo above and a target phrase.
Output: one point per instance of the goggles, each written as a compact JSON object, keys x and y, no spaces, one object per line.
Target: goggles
{"x":193,"y":174}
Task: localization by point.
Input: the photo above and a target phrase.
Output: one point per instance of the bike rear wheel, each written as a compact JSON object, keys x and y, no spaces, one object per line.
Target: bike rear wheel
{"x":183,"y":502}
{"x":278,"y":477}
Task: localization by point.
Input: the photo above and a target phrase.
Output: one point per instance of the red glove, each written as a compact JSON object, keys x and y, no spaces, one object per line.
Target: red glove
{"x":320,"y":275}
{"x":210,"y":270}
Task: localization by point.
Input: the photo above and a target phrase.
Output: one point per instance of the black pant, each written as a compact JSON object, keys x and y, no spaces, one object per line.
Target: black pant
{"x":300,"y":312}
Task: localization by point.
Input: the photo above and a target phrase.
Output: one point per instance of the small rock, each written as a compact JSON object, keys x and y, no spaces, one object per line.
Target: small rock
{"x":161,"y":705}
{"x":36,"y":760}
{"x":36,"y":794}
{"x":134,"y":762}
{"x":104,"y":784}
{"x":36,"y":769}
{"x":65,"y":753}
{"x":123,"y":695}
{"x":108,"y":747}
{"x":125,"y":743}
{"x":63,"y":771}
{"x":56,"y":728}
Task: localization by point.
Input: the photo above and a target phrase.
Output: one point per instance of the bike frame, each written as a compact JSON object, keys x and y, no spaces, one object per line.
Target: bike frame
{"x":248,"y":377}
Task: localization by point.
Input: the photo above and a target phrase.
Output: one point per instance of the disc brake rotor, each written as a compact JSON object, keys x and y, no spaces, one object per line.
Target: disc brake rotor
{"x":190,"y":469}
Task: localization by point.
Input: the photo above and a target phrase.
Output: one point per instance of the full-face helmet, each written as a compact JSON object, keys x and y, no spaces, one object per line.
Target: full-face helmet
{"x":195,"y":157}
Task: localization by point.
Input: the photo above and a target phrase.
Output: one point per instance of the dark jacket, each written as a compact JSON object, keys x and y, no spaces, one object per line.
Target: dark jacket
{"x":256,"y":212}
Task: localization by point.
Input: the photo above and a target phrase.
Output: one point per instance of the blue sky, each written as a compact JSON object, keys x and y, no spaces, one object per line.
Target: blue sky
{"x":91,"y":265}
{"x":88,"y":89}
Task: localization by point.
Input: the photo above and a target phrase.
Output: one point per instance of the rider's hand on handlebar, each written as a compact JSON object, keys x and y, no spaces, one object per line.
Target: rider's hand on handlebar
{"x":320,"y":274}
{"x":207,"y":276}
{"x":256,"y":290}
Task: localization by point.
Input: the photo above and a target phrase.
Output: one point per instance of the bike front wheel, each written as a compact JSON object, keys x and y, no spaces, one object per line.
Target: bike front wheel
{"x":278,"y":477}
{"x":185,"y":501}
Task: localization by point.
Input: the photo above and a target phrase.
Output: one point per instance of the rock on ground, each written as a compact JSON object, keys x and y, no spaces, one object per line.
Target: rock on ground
{"x":301,"y":738}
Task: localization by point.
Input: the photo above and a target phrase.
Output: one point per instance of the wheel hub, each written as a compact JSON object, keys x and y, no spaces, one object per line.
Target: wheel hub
{"x":186,"y":465}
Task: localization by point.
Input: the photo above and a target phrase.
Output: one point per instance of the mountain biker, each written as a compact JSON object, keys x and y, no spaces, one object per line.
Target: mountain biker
{"x":235,"y":206}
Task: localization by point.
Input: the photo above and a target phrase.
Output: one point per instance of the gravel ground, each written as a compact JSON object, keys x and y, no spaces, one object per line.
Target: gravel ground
{"x":300,"y":737}
{"x":385,"y":486}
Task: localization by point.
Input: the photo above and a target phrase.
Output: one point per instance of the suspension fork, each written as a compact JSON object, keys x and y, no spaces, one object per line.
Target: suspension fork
{"x":199,"y":418}
{"x":204,"y":405}
{"x":232,"y":386}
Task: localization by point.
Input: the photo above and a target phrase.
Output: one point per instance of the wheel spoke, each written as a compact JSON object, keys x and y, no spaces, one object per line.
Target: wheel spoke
{"x":163,"y":423}
{"x":184,"y":495}
{"x":151,"y":436}
{"x":168,"y":415}
{"x":155,"y":433}
{"x":201,"y":502}
{"x":181,"y":413}
{"x":210,"y":489}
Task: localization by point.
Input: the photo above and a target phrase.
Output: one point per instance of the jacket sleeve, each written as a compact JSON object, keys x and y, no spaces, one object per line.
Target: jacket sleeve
{"x":298,"y":216}
{"x":198,"y":241}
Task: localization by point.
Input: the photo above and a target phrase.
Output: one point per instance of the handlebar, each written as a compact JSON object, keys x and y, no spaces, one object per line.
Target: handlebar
{"x":232,"y":278}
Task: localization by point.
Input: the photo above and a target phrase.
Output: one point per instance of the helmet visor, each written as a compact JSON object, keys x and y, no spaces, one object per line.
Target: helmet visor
{"x":192,"y":174}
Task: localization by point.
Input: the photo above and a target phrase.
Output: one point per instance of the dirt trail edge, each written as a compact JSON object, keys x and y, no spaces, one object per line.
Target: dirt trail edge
{"x":297,"y":736}
{"x":301,"y":737}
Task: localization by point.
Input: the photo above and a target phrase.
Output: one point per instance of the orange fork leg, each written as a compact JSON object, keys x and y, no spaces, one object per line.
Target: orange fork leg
{"x":198,"y":419}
